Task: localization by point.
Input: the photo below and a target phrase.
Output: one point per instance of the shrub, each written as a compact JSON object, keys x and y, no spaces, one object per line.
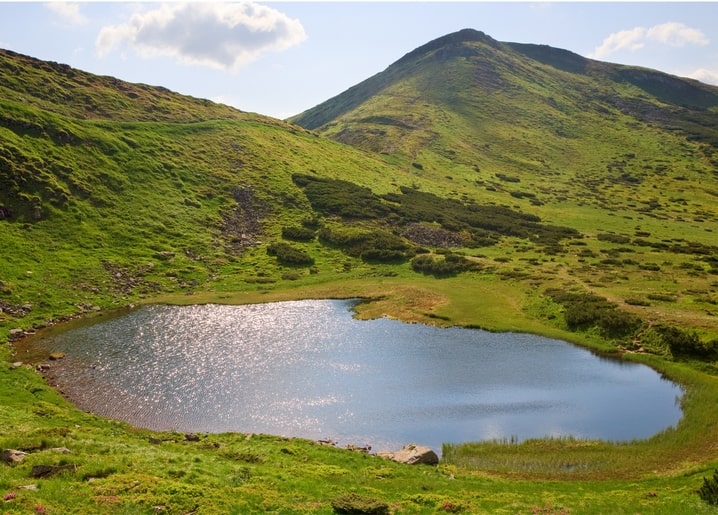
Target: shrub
{"x":663,"y":297}
{"x":357,"y":504}
{"x":709,"y":491}
{"x":383,"y":256}
{"x":636,"y":301}
{"x":613,"y":238}
{"x":288,"y":255}
{"x":585,"y":310}
{"x":685,"y":343}
{"x":507,"y":178}
{"x":450,"y":265}
{"x":370,"y":244}
{"x":340,"y":198}
{"x":297,"y":233}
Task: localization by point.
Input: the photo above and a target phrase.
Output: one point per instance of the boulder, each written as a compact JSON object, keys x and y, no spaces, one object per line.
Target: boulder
{"x":54,"y":356}
{"x":45,"y":471}
{"x":16,"y":334}
{"x":11,"y":456}
{"x":412,"y":455}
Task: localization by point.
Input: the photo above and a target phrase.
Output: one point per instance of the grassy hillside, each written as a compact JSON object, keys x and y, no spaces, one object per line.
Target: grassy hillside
{"x":626,"y":156}
{"x":507,"y":205}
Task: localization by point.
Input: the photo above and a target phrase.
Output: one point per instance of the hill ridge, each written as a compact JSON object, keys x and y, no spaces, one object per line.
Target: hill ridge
{"x":666,"y":88}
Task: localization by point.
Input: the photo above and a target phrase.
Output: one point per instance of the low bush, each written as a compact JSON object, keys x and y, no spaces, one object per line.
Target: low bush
{"x":583,"y":311}
{"x":686,"y":343}
{"x":286,"y":254}
{"x":709,"y":491}
{"x":449,"y":265}
{"x":373,"y":245}
{"x":613,"y":238}
{"x":661,"y":297}
{"x":357,"y":504}
{"x":636,"y":301}
{"x":297,"y":233}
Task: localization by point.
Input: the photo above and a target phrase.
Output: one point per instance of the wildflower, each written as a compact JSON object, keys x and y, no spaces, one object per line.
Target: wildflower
{"x":9,"y":497}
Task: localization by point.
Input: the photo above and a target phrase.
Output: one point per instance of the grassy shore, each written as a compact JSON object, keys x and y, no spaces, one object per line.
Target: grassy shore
{"x":110,"y":467}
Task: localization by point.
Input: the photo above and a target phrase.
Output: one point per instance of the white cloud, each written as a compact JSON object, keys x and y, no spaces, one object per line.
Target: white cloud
{"x":707,"y":76}
{"x":676,"y":34}
{"x":223,"y":36}
{"x":68,"y":12}
{"x":630,"y":39}
{"x":672,"y":33}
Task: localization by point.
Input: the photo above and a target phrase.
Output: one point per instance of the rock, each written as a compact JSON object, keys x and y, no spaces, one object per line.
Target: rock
{"x":54,"y":356}
{"x":16,"y":333}
{"x":11,"y":456}
{"x":412,"y":455}
{"x":61,"y":450}
{"x":45,"y":471}
{"x":15,"y":365}
{"x":352,"y":447}
{"x":191,"y":437}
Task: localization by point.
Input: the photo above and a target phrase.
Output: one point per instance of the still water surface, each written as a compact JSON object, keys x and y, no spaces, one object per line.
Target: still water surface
{"x":309,"y":369}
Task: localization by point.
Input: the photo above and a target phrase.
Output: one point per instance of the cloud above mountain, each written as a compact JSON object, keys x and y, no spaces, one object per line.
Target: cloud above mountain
{"x":218,"y":35}
{"x":672,"y":34}
{"x":707,"y":76}
{"x":68,"y":12}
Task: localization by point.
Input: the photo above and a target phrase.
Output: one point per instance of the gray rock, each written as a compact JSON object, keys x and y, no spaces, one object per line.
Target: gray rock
{"x":412,"y":455}
{"x":11,"y":456}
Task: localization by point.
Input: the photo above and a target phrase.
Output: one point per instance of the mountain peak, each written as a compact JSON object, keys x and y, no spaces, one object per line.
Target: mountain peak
{"x":453,"y":40}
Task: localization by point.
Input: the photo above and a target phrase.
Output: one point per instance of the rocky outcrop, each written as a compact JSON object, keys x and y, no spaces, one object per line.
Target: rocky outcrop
{"x":11,"y":456}
{"x":412,"y":455}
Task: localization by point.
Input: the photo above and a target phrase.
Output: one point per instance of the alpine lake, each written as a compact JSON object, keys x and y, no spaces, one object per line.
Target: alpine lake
{"x":309,"y":369}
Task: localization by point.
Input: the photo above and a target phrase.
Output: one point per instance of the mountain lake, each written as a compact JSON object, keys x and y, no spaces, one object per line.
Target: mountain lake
{"x":310,"y":369}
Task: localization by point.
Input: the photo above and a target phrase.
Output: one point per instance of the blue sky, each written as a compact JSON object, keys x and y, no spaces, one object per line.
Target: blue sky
{"x":281,"y":58}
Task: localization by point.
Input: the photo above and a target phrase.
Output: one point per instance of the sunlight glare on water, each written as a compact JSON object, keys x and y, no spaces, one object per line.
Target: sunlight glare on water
{"x":308,"y":369}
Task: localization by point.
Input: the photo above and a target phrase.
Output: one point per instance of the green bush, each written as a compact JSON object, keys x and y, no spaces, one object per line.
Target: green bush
{"x":709,"y":491}
{"x":341,"y":198}
{"x":449,"y":265}
{"x":297,"y":233}
{"x":583,"y":311}
{"x":686,"y":343}
{"x":288,"y":255}
{"x":357,"y":504}
{"x":613,"y":238}
{"x":374,"y":245}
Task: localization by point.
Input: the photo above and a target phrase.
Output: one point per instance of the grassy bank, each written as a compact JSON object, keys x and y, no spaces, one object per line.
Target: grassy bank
{"x":114,"y":468}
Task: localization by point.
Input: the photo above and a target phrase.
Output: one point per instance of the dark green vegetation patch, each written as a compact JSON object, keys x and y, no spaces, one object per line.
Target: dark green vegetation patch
{"x":483,"y":225}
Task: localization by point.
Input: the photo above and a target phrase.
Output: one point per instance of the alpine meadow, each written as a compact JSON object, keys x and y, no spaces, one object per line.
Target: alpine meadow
{"x":474,"y":183}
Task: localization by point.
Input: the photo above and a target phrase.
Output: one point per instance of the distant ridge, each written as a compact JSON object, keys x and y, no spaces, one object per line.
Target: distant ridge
{"x":480,"y":82}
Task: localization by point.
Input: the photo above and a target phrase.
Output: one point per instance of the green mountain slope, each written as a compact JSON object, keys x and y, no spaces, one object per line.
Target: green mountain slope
{"x":598,"y":147}
{"x":475,"y":183}
{"x":475,"y":109}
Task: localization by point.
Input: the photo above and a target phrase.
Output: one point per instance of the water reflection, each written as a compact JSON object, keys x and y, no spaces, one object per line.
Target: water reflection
{"x":309,"y":369}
